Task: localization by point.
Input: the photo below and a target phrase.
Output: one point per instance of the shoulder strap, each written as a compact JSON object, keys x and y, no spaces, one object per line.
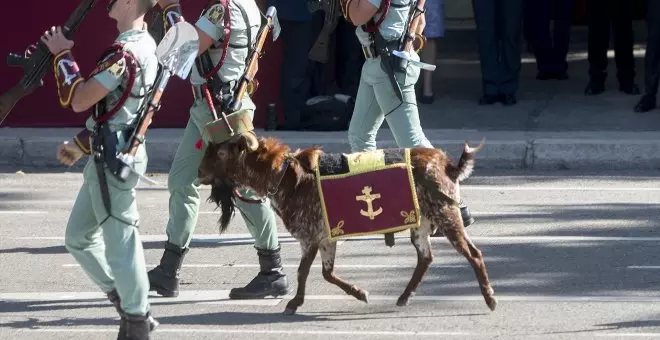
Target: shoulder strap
{"x":372,"y":26}
{"x":225,"y":42}
{"x":116,"y":53}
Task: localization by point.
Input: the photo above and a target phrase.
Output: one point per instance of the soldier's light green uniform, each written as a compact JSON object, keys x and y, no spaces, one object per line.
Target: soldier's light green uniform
{"x":376,"y":98}
{"x":182,"y":183}
{"x":115,"y":259}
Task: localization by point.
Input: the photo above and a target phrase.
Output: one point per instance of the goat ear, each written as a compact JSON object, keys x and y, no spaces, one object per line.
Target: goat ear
{"x":248,"y":142}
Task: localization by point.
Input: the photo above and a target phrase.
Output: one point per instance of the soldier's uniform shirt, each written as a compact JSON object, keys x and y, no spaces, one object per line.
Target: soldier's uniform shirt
{"x":143,"y":48}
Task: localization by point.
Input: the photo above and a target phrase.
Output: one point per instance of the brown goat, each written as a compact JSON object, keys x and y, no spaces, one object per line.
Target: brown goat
{"x":258,"y":163}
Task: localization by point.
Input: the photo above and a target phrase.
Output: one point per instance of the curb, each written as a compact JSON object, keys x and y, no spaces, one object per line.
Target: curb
{"x":503,"y":150}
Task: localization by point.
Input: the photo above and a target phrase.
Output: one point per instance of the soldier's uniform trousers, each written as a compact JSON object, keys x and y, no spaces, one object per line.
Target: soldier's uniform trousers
{"x":184,"y":186}
{"x":108,"y":246}
{"x":376,"y":101}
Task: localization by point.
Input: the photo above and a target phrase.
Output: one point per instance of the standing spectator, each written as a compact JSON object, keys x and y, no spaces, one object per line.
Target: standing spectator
{"x":651,"y":58}
{"x":298,"y":35}
{"x":616,"y":14}
{"x":499,"y":34}
{"x":435,"y":29}
{"x":550,"y":51}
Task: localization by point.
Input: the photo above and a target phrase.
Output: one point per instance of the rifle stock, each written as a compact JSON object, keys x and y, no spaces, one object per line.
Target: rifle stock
{"x":414,"y":24}
{"x":39,"y":62}
{"x":252,"y":66}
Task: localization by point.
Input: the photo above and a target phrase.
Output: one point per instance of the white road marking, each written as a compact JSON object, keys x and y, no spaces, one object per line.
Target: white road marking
{"x":295,"y":266}
{"x":289,"y":331}
{"x":219,"y":296}
{"x":287,"y":238}
{"x":630,"y":335}
{"x":22,"y":212}
{"x":643,"y":267}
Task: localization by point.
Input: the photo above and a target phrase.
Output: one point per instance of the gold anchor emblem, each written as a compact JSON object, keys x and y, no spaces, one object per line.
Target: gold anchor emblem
{"x":369,"y":198}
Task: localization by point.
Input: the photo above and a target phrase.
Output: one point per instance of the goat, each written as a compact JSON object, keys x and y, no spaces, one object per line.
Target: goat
{"x":266,"y":166}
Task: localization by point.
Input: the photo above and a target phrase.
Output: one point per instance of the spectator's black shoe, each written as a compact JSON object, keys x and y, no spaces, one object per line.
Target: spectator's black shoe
{"x":561,"y":75}
{"x":488,"y":100}
{"x":544,"y":75}
{"x":426,"y":99}
{"x":594,"y":88}
{"x":629,"y":88}
{"x":509,"y":99}
{"x":646,"y":103}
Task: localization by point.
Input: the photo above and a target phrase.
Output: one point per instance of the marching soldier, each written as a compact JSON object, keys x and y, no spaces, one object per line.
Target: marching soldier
{"x":116,"y":89}
{"x":387,"y":85}
{"x":227,"y":31}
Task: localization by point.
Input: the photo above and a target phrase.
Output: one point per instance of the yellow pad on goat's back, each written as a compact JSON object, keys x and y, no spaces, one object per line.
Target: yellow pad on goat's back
{"x":367,"y":193}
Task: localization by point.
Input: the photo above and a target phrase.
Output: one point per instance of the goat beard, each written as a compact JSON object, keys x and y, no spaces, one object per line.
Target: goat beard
{"x":222,"y":194}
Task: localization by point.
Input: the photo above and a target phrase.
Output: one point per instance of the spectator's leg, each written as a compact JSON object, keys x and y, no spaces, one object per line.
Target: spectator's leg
{"x":435,"y":29}
{"x":623,"y":46}
{"x":511,"y":16}
{"x":484,"y":14}
{"x":651,"y":58}
{"x":599,"y":40}
{"x":562,"y":37}
{"x":428,"y":56}
{"x":349,"y":58}
{"x":297,"y":39}
{"x":538,"y":18}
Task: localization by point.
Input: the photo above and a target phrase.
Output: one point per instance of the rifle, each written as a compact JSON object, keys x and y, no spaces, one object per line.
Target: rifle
{"x":251,"y":70}
{"x":36,"y":65}
{"x":412,"y":23}
{"x":319,"y":51}
{"x":176,"y":54}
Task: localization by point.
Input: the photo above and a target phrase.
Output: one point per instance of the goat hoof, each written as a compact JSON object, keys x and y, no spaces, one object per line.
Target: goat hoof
{"x":402,"y":301}
{"x":492,"y":303}
{"x":363,"y":295}
{"x":289,"y":311}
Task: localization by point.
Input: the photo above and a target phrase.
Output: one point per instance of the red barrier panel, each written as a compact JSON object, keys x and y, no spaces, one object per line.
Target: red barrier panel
{"x":28,"y":19}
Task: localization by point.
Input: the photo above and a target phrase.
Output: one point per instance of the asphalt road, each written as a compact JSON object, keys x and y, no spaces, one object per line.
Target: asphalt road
{"x":570,"y":256}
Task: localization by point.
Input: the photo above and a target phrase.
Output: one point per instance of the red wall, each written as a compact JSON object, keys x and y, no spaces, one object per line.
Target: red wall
{"x":26,"y":20}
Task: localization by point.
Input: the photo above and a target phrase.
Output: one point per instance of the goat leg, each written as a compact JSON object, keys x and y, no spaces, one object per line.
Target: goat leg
{"x":461,"y":242}
{"x":422,"y":242}
{"x":309,"y":253}
{"x":328,"y":251}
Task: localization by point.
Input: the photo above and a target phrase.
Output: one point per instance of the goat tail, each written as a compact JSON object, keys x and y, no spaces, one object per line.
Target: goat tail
{"x":466,"y":162}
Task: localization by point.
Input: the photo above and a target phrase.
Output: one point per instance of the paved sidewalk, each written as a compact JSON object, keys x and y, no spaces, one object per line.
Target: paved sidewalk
{"x":35,"y":148}
{"x":553,"y":126}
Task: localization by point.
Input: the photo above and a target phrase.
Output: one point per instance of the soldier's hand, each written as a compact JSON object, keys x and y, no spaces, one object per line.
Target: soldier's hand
{"x":56,"y":41}
{"x":422,"y":24}
{"x":69,"y":153}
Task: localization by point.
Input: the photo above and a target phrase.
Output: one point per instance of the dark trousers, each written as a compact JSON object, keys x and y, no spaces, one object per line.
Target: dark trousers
{"x":499,"y":35}
{"x":550,"y":49}
{"x":349,"y":58}
{"x":617,"y":15}
{"x":652,"y":56}
{"x":297,"y":73}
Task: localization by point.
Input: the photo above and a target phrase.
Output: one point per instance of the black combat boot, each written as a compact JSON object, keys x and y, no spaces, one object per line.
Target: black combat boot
{"x":271,"y":280}
{"x":113,"y":296}
{"x":164,"y":279}
{"x":134,"y":327}
{"x":465,"y":216}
